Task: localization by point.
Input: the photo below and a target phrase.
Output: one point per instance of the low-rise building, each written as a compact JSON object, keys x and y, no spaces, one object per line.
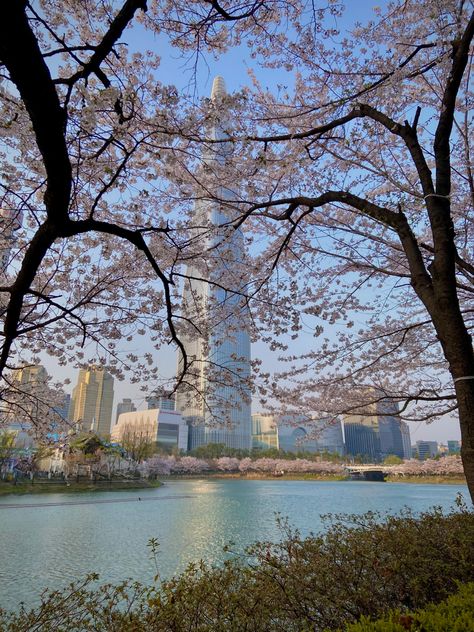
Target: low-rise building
{"x":166,"y":428}
{"x":425,"y":450}
{"x":454,"y":447}
{"x":297,"y":433}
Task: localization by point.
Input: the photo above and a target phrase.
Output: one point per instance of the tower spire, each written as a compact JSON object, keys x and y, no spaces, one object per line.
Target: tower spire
{"x":218,"y":88}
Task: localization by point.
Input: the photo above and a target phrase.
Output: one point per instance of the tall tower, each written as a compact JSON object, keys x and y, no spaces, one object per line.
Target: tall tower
{"x":10,"y":222}
{"x":92,"y":400}
{"x":215,"y":399}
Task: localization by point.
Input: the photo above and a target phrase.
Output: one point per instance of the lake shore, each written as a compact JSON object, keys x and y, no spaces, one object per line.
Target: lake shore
{"x":61,"y":487}
{"x":262,"y":476}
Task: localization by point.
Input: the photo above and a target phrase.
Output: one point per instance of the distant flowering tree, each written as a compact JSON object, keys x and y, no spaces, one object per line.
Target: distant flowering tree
{"x":245,"y":465}
{"x":157,"y":466}
{"x":446,"y":466}
{"x":189,"y":465}
{"x":227,"y":464}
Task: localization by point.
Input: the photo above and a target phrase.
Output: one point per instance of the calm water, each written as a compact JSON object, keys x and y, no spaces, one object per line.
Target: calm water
{"x":45,"y":542}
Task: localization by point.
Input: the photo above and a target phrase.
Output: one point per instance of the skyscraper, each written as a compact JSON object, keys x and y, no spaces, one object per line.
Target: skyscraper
{"x":10,"y":222}
{"x":27,"y":402}
{"x":215,"y":397}
{"x":31,"y":374}
{"x":378,"y":433}
{"x":92,"y":400}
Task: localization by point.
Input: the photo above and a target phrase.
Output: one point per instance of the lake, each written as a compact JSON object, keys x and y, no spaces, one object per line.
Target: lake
{"x":50,"y":540}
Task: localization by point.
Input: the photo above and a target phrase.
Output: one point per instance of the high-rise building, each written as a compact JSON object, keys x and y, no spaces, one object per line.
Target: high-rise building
{"x":125,"y":406}
{"x":28,"y":401}
{"x":454,"y":446}
{"x":329,"y":436}
{"x":160,"y":400}
{"x":215,"y":396}
{"x":406,"y":440}
{"x":31,"y":374}
{"x":264,"y":432}
{"x":362,"y":436}
{"x":92,"y":400}
{"x":296,"y":433}
{"x":377,"y":433}
{"x":391,"y":434}
{"x":10,"y":222}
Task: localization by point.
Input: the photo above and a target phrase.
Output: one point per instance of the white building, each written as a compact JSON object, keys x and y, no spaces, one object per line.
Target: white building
{"x":166,"y":428}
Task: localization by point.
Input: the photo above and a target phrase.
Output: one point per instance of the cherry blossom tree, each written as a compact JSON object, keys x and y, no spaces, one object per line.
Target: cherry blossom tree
{"x":354,"y":185}
{"x":88,"y":136}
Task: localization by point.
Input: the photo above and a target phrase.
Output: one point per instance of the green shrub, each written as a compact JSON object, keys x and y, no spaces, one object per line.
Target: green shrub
{"x":362,"y":566}
{"x":455,"y":614}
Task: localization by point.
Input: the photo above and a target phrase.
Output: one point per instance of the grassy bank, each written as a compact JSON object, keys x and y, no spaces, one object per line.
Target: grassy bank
{"x":440,"y":480}
{"x":60,"y":487}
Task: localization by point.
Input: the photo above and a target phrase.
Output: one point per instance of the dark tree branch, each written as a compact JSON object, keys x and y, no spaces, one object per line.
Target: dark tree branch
{"x":104,"y":48}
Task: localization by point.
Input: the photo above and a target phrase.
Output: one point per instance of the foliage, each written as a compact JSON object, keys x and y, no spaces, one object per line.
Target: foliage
{"x":455,"y":614}
{"x":217,"y":450}
{"x":88,"y":444}
{"x":392,"y":459}
{"x":362,"y":566}
{"x":137,"y":445}
{"x":7,"y":447}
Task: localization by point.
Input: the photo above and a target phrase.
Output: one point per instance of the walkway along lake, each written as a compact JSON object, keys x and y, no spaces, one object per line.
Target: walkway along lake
{"x":51,"y":540}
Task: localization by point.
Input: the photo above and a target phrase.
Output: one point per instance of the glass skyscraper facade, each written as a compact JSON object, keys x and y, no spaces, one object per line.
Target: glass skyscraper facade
{"x":378,"y":433}
{"x":215,"y":397}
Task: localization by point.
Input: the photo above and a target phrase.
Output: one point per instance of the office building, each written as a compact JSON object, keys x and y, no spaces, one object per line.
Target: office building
{"x":296,"y":433}
{"x":31,"y":374}
{"x":425,"y":450}
{"x":165,"y":428}
{"x":215,"y":398}
{"x":159,"y":399}
{"x":10,"y":222}
{"x":406,"y":440}
{"x":125,"y":406}
{"x":92,"y":401}
{"x":390,"y":431}
{"x":28,"y":402}
{"x":329,"y":436}
{"x":378,"y":432}
{"x":264,"y":432}
{"x":454,"y":447}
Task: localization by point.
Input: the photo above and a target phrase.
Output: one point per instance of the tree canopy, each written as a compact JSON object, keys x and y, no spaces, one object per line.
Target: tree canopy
{"x":352,"y":182}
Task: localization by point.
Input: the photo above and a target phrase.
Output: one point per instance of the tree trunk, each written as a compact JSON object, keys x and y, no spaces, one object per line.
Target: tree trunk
{"x":465,"y":396}
{"x":458,"y":351}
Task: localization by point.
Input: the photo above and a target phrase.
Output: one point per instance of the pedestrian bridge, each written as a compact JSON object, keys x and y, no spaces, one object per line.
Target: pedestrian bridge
{"x":367,"y":472}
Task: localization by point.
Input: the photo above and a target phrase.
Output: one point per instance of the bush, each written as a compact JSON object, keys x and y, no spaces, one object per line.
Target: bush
{"x":455,"y":614}
{"x":362,"y":566}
